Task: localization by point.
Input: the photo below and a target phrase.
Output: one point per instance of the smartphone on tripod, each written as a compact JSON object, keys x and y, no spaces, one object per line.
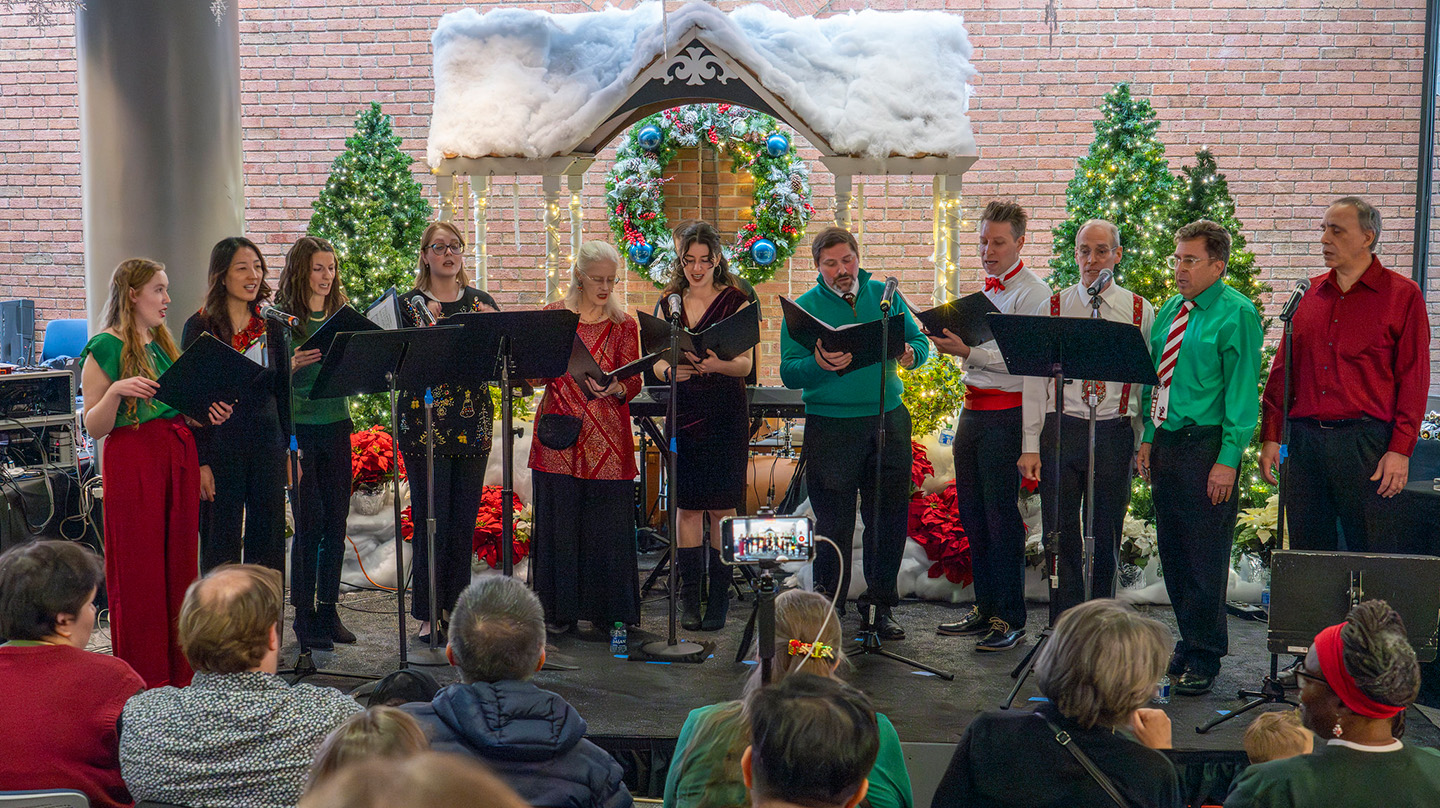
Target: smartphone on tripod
{"x":766,"y":539}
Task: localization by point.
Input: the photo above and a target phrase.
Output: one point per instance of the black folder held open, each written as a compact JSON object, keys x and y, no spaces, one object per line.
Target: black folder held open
{"x":344,"y":319}
{"x":860,"y":340}
{"x":965,"y":318}
{"x":583,"y":366}
{"x":728,"y":338}
{"x":208,"y":371}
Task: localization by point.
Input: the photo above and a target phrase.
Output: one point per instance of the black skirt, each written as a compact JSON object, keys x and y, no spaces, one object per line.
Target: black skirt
{"x":582,"y":549}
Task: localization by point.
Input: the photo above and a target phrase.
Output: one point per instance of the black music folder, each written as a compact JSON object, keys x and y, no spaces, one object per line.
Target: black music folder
{"x":344,"y":319}
{"x":208,"y":371}
{"x":965,"y":318}
{"x":728,"y":338}
{"x":860,"y":340}
{"x":583,"y":365}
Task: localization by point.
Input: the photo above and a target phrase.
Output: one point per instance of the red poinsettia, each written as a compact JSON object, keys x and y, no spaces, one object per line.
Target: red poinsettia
{"x":935,"y":525}
{"x":920,"y":466}
{"x":486,"y":539}
{"x":370,"y":458}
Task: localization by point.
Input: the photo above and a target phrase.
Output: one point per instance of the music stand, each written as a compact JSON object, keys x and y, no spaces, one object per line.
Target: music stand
{"x":1061,"y":348}
{"x":360,"y":362}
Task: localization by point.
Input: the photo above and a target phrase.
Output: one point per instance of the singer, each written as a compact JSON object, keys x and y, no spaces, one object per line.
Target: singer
{"x":242,"y":461}
{"x":840,"y":434}
{"x":989,"y":438}
{"x":310,"y":290}
{"x":462,"y":422}
{"x":1359,"y":377}
{"x":151,"y":473}
{"x":713,"y":433}
{"x":1117,"y":424}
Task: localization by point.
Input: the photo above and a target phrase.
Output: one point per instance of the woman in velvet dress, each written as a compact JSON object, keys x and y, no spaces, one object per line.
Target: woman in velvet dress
{"x":583,"y":547}
{"x":713,"y":433}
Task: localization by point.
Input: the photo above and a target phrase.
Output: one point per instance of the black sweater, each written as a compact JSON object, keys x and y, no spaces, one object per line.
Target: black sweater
{"x":255,"y":424}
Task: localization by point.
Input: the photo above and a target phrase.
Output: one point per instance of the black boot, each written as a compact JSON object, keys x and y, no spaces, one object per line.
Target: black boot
{"x":691,"y":568}
{"x":717,"y":603}
{"x":308,"y":633}
{"x":331,"y":626}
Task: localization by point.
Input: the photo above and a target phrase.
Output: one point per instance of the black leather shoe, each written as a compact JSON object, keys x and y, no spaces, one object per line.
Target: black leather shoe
{"x":1176,"y":668}
{"x":886,"y":626}
{"x":972,"y":623}
{"x":1000,"y":637}
{"x":308,"y":633}
{"x":1193,"y":684}
{"x":1287,"y":677}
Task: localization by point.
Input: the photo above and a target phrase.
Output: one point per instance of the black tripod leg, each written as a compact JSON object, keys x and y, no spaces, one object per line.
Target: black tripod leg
{"x":1022,"y":671}
{"x":949,"y":677}
{"x":661,"y":567}
{"x":749,"y":635}
{"x":1220,"y":719}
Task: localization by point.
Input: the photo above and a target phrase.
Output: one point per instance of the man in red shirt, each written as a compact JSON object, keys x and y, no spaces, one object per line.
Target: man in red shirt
{"x":1359,"y":376}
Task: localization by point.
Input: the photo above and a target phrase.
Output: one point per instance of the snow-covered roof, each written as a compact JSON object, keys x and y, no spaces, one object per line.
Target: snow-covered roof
{"x":532,"y":84}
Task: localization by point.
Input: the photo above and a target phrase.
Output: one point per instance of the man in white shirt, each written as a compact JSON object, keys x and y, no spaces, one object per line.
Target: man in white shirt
{"x":988,"y":441}
{"x":1117,"y":426}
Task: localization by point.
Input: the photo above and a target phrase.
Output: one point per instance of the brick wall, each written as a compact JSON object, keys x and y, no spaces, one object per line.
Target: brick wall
{"x":1300,"y":101}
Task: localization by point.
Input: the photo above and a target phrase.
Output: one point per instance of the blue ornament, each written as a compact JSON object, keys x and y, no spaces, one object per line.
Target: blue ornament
{"x":777,"y":144}
{"x":650,"y":138}
{"x":641,"y":253}
{"x":764,"y":252}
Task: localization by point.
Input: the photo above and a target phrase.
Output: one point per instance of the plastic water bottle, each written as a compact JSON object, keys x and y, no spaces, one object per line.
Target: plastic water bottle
{"x":1162,"y":691}
{"x":618,"y":643}
{"x":1265,"y":600}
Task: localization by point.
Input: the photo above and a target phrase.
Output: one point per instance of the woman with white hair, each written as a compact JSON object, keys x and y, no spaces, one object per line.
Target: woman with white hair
{"x":1093,"y":735}
{"x":583,"y":463}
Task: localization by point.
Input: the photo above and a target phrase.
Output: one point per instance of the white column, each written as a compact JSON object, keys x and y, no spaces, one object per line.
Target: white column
{"x":947,"y":238}
{"x":160,"y":142}
{"x":844,"y":189}
{"x":577,"y":233}
{"x":555,"y":281}
{"x":480,"y":201}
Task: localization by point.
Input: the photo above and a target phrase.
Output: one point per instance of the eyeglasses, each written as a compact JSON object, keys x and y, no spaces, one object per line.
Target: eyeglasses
{"x":441,"y":249}
{"x":1301,"y":672}
{"x":1100,"y":252}
{"x":1189,"y":261}
{"x":601,"y":281}
{"x":687,"y":261}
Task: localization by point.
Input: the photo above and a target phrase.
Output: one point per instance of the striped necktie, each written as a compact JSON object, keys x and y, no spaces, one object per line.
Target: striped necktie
{"x":1172,"y":343}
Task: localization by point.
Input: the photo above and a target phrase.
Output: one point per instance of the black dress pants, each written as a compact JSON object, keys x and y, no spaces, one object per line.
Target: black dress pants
{"x":459,"y":482}
{"x":321,"y":509}
{"x":1328,"y":489}
{"x":987,"y":494}
{"x":1195,"y":538}
{"x":246,"y":521}
{"x":1114,"y":451}
{"x":839,"y":463}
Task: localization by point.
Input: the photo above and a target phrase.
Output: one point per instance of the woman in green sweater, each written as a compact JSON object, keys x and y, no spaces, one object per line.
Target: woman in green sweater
{"x":705,"y":770}
{"x":1356,"y":682}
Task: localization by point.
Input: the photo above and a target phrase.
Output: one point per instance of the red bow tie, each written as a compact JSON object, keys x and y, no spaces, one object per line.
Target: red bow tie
{"x":994,"y":284}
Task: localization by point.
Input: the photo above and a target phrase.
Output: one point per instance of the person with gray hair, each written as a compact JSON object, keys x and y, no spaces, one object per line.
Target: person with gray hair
{"x":1117,"y":424}
{"x":1359,"y":378}
{"x":1098,"y":673}
{"x":531,"y":738}
{"x":582,"y":462}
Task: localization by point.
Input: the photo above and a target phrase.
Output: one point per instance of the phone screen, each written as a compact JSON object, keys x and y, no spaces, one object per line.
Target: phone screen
{"x":752,"y":539}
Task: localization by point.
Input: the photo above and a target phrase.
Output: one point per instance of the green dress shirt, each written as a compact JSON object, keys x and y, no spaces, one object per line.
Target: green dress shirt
{"x":1217,"y":374}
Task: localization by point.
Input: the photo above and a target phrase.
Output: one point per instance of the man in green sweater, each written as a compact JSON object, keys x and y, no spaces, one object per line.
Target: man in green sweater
{"x":840,"y":434}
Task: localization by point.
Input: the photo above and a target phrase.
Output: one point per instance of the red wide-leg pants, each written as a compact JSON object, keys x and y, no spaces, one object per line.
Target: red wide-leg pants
{"x":152,"y":539}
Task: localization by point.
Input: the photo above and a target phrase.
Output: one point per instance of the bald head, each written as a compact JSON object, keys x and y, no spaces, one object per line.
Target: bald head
{"x":229,"y":618}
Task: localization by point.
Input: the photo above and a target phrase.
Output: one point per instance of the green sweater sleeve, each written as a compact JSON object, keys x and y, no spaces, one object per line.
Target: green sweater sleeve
{"x":1241,"y":361}
{"x":798,"y":368}
{"x":915,"y":338}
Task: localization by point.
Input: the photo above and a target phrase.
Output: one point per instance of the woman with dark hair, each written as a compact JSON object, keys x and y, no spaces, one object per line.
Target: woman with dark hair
{"x":713,"y":433}
{"x":1355,"y":683}
{"x":150,"y":472}
{"x":1098,"y":672}
{"x":310,"y":290}
{"x":242,"y":461}
{"x":461,"y":421}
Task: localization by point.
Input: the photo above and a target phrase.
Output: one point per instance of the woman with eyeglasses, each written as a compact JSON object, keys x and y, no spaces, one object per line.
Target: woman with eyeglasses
{"x":713,"y":430}
{"x":461,"y":423}
{"x":582,"y":545}
{"x":1355,"y":683}
{"x":242,"y":461}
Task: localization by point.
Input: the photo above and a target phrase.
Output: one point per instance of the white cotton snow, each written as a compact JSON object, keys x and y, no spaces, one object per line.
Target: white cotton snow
{"x":515,"y":82}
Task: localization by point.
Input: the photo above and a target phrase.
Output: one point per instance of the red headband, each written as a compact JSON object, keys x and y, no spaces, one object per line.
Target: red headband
{"x":1332,"y":664}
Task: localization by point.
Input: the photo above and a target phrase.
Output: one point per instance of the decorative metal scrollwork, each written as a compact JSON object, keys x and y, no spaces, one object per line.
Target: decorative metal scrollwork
{"x":695,"y":65}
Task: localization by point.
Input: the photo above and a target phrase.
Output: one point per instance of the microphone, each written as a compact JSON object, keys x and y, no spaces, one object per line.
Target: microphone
{"x":891,"y":284}
{"x":1099,"y":284}
{"x":279,"y":315}
{"x":417,"y":302}
{"x":672,"y":305}
{"x":1293,"y":303}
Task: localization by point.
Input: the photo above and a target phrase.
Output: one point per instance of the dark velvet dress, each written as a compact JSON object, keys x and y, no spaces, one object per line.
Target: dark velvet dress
{"x":713,"y":440}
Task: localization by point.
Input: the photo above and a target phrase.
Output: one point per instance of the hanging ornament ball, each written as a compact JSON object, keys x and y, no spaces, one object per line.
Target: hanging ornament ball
{"x":650,"y":138}
{"x":777,"y":144}
{"x":763,"y":251}
{"x":641,"y":253}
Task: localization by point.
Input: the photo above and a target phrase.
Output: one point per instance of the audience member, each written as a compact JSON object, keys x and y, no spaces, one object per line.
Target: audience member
{"x":379,"y":732}
{"x":238,"y":736}
{"x":532,"y":738}
{"x":402,"y":687}
{"x":812,"y":741}
{"x":705,"y":771}
{"x":426,"y":780}
{"x":1098,"y":671}
{"x":1277,"y":735}
{"x":61,"y":733}
{"x":1355,"y":684}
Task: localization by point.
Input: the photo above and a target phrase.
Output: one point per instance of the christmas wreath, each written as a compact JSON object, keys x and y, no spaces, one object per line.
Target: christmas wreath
{"x":634,"y":187}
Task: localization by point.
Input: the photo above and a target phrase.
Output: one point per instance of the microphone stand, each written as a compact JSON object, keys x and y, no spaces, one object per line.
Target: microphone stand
{"x":1087,"y":545}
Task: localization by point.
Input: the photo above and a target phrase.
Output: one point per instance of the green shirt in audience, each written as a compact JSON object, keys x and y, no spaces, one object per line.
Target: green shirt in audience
{"x":1341,"y":776}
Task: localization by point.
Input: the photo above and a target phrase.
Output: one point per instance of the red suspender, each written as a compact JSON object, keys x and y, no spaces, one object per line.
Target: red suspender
{"x":1055,"y":305}
{"x":1125,"y":391}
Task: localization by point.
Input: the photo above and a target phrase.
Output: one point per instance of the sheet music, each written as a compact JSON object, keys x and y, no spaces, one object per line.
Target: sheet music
{"x":385,"y":312}
{"x":256,"y":353}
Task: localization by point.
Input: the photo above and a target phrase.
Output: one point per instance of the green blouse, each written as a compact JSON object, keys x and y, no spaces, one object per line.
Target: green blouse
{"x":1342,"y":777}
{"x":106,"y":349}
{"x":309,"y":410}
